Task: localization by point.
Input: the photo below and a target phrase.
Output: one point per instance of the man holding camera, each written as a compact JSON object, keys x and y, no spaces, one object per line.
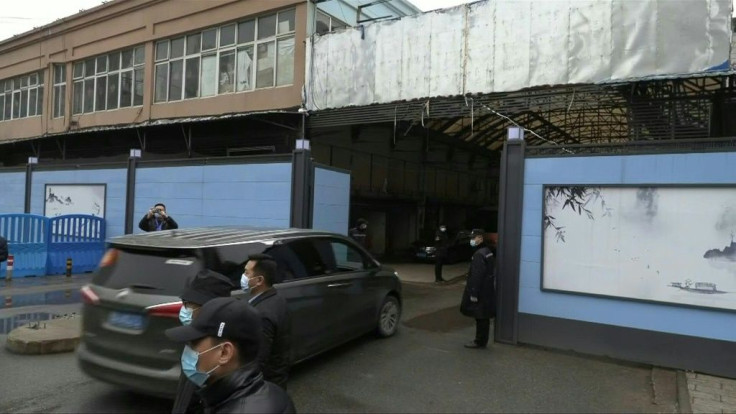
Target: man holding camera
{"x":156,"y":219}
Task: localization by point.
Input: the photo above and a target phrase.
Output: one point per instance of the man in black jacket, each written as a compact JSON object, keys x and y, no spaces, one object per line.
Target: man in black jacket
{"x":221,"y":359}
{"x":203,"y":287}
{"x":258,"y":279}
{"x":479,"y":297}
{"x":157,"y":219}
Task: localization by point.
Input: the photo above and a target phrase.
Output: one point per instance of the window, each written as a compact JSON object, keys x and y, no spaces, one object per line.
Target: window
{"x":109,"y":81}
{"x":59,"y":90}
{"x":347,"y":258}
{"x":237,"y":57}
{"x":326,"y":23}
{"x":21,"y":97}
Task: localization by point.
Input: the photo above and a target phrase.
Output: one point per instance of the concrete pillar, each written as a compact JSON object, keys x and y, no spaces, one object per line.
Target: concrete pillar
{"x":302,"y":186}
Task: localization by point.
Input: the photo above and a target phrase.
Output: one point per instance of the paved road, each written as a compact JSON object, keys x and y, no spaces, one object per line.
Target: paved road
{"x":422,"y":369}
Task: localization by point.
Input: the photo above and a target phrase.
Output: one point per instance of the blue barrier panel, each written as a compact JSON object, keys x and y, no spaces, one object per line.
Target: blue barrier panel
{"x":26,"y":234}
{"x":76,"y":236}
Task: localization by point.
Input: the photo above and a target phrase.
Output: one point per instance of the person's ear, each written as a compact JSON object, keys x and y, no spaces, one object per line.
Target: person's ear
{"x":229,"y":352}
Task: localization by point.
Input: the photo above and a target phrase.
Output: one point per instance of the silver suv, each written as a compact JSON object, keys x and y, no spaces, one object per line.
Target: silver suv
{"x":334,"y":289}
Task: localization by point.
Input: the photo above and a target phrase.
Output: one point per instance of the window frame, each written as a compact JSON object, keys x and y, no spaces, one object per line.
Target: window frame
{"x":17,"y":93}
{"x":135,"y":65}
{"x":58,"y":109}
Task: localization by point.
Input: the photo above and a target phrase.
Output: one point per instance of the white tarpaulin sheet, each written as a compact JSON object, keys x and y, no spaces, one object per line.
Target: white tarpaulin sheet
{"x":508,"y":45}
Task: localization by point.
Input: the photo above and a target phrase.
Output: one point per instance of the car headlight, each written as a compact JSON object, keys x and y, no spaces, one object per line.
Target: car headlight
{"x":430,"y":249}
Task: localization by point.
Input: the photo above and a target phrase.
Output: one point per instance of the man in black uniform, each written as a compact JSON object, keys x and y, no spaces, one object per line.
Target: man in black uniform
{"x":479,"y":297}
{"x":440,"y":254}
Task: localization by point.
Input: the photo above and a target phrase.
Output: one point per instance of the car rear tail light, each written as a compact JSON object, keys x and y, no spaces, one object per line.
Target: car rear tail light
{"x":89,"y":296}
{"x":165,"y":310}
{"x":110,"y":257}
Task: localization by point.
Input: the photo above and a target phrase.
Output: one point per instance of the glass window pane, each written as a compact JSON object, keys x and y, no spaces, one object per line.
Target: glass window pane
{"x":266,"y":26}
{"x":89,"y":67}
{"x":113,"y":85}
{"x":246,"y":31}
{"x":8,"y":107}
{"x":264,"y":68}
{"x":78,"y":70}
{"x":162,"y":50}
{"x":286,"y":21}
{"x":23,"y":81}
{"x":57,"y":101}
{"x":245,"y":69}
{"x":114,"y":61}
{"x":62,"y":100}
{"x":207,"y":82}
{"x":138,"y":90}
{"x":101,"y":94}
{"x":227,"y":72}
{"x":39,"y":101}
{"x":175,"y":80}
{"x":323,"y":23}
{"x":227,"y":35}
{"x":32,"y":103}
{"x":126,"y":88}
{"x":209,"y":39}
{"x":194,"y":43}
{"x":16,"y":104}
{"x":40,"y":77}
{"x":285,"y":64}
{"x":33,"y":79}
{"x":78,"y":97}
{"x":89,"y":95}
{"x":57,"y":73}
{"x":177,"y":48}
{"x":101,"y":64}
{"x":162,"y":82}
{"x":24,"y":103}
{"x":2,"y":106}
{"x":8,"y":85}
{"x":140,"y":56}
{"x":127,"y":57}
{"x":191,"y":78}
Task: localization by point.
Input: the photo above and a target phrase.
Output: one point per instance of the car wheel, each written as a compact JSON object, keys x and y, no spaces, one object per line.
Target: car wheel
{"x":388,"y":317}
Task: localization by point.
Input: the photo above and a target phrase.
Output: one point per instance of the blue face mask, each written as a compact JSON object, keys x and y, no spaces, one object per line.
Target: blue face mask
{"x":189,"y":359}
{"x":185,"y":315}
{"x":244,"y":283}
{"x":473,"y":243}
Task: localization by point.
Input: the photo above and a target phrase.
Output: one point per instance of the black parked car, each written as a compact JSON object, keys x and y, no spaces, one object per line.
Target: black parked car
{"x":334,"y":289}
{"x":459,"y":249}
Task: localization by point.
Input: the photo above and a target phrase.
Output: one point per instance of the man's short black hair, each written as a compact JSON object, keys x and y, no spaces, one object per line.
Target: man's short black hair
{"x":265,"y":266}
{"x":160,"y":204}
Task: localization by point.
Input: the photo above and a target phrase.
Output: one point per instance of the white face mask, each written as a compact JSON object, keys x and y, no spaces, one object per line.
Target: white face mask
{"x":244,"y":283}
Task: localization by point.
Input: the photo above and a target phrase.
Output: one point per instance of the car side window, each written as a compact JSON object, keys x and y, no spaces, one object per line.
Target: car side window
{"x":299,"y":258}
{"x":346,"y":257}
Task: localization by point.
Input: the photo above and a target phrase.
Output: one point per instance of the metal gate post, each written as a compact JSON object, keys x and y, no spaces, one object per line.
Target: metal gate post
{"x":510,"y":213}
{"x":29,"y":184}
{"x":135,"y":155}
{"x":302,"y":186}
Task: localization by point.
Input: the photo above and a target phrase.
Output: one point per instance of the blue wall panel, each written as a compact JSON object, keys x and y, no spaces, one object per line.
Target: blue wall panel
{"x":115,"y":194}
{"x":704,"y":168}
{"x":235,"y":194}
{"x":331,"y":200}
{"x":12,"y":188}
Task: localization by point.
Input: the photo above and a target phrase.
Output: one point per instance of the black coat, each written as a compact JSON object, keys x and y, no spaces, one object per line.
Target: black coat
{"x":149,"y":224}
{"x":245,"y":391}
{"x":441,"y":242}
{"x":274,"y":355}
{"x":481,"y":283}
{"x":187,"y":401}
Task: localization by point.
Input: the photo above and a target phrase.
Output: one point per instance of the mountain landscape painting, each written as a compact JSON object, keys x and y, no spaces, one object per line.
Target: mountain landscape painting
{"x":662,"y":244}
{"x":61,"y":199}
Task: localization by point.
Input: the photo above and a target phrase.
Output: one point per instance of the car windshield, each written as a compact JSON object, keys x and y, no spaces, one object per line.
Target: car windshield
{"x":162,"y":272}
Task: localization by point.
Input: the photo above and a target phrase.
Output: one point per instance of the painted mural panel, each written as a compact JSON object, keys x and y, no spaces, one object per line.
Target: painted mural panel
{"x":61,"y":199}
{"x":672,"y":244}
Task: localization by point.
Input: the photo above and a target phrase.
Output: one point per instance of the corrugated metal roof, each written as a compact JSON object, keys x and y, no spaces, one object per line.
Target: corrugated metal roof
{"x":199,"y":237}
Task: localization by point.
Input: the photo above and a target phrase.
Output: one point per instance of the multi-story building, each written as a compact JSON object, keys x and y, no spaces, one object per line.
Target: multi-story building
{"x":175,"y":78}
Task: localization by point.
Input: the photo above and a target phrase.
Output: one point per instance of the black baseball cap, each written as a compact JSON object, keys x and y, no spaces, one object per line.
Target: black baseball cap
{"x":207,"y":285}
{"x":477,"y":232}
{"x":226,"y":318}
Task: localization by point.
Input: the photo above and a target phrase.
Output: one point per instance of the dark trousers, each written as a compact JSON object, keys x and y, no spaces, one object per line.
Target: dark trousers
{"x":482,"y":331}
{"x":439,"y":261}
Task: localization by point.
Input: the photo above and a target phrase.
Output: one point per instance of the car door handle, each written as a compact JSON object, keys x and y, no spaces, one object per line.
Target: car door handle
{"x":338,"y":285}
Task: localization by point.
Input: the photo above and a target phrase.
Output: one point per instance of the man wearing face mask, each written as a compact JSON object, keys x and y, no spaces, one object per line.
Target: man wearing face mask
{"x":221,"y":359}
{"x":440,"y":254}
{"x":479,"y":297}
{"x":359,"y":233}
{"x":257,"y":280}
{"x":203,"y":287}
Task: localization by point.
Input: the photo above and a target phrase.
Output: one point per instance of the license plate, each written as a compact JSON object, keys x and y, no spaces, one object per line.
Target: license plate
{"x":125,"y":320}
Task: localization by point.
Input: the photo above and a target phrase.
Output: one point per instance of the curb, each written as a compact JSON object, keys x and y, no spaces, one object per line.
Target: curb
{"x":46,"y":337}
{"x":683,"y":393}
